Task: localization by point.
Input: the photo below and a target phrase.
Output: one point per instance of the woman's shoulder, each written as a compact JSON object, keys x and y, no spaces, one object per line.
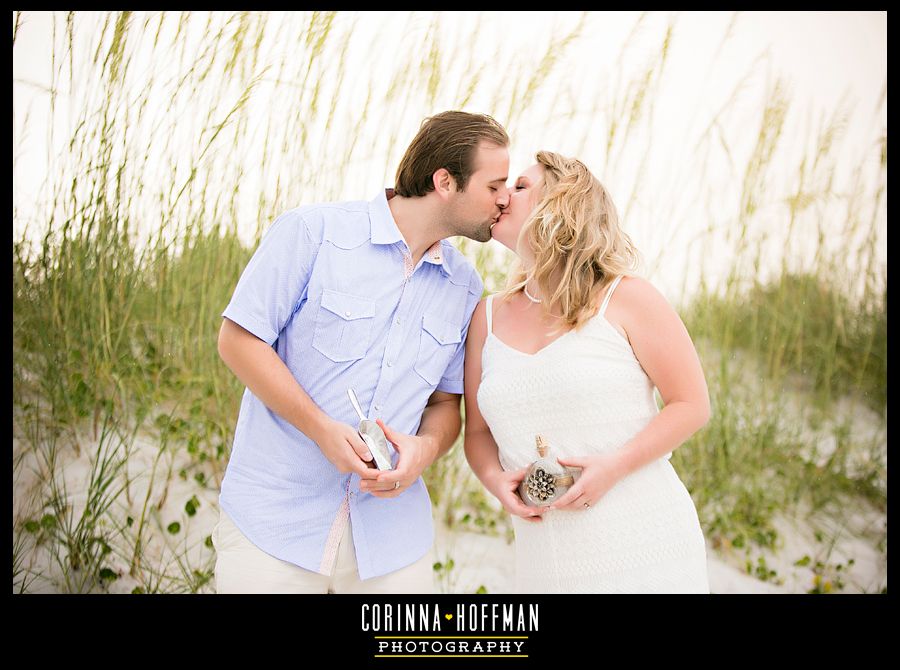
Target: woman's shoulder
{"x":482,"y":305}
{"x":492,"y":300}
{"x":636,"y":298}
{"x":480,"y":315}
{"x":637,"y":288}
{"x":478,"y":324}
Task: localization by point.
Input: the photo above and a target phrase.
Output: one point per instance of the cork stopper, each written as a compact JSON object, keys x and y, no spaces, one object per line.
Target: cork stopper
{"x":542,"y":445}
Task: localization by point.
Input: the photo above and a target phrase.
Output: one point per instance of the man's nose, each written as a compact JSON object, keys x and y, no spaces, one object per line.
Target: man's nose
{"x":503,"y":199}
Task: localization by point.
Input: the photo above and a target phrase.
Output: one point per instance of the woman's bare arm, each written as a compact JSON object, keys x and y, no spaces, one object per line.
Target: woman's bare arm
{"x":480,"y":447}
{"x":664,"y":348}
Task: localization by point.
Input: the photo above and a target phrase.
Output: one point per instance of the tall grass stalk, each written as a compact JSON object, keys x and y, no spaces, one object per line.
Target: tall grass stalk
{"x":80,"y":541}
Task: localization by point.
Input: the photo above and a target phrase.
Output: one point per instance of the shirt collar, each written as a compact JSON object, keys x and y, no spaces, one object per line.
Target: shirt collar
{"x":385,"y":231}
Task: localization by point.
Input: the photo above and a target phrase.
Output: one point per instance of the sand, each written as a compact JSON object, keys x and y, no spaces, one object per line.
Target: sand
{"x":481,"y":561}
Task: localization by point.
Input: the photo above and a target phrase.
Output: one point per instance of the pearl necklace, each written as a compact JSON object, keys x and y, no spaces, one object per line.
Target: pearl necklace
{"x":529,"y":296}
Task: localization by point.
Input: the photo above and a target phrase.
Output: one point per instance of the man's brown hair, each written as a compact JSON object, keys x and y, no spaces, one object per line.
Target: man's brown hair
{"x":447,"y":140}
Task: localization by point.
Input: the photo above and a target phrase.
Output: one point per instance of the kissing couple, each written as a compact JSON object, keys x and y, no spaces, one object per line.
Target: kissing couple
{"x":356,"y":327}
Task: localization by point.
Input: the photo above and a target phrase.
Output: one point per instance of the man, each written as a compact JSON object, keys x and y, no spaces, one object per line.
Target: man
{"x":366,"y":296}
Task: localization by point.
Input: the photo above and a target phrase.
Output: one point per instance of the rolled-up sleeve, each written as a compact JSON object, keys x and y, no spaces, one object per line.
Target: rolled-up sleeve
{"x":275,"y":280}
{"x":452,"y":380}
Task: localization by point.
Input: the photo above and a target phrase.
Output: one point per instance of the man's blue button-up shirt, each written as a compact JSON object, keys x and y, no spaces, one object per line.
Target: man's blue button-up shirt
{"x":332,"y":289}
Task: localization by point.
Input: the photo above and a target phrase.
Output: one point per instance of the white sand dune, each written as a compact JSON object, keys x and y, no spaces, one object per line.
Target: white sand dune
{"x":845,"y":530}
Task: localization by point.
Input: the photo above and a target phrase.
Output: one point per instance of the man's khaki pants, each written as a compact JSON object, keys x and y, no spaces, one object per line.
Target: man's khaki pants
{"x":242,"y":567}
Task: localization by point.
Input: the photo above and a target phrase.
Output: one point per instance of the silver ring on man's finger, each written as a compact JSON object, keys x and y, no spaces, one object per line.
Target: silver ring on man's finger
{"x":396,"y":485}
{"x":586,"y":505}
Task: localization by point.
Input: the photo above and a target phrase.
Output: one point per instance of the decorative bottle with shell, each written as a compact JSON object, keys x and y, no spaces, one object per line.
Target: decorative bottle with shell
{"x":545,"y":480}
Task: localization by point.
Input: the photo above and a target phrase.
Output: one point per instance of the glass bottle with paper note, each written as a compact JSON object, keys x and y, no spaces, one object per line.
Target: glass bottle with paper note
{"x":373,"y":436}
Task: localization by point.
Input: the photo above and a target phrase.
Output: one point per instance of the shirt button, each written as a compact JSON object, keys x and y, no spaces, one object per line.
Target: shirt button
{"x":377,"y":408}
{"x":390,"y":364}
{"x":347,"y":313}
{"x":398,"y":322}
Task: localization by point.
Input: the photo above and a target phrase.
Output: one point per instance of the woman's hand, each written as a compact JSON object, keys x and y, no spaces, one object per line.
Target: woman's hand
{"x":598,"y":475}
{"x":503,"y":485}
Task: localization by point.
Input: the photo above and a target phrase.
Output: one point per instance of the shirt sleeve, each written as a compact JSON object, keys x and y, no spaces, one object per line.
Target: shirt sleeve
{"x":452,"y":381}
{"x":275,"y":280}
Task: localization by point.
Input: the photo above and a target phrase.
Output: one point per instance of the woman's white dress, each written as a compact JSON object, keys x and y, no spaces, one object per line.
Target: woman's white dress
{"x":586,"y":393}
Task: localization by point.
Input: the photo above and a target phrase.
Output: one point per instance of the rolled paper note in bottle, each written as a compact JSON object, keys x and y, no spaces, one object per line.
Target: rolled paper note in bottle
{"x":545,"y":480}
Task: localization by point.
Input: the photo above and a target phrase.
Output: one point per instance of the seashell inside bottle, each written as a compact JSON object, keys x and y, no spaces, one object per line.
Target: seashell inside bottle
{"x":545,"y":480}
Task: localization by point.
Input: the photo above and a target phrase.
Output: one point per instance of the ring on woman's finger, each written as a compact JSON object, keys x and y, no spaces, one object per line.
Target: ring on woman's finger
{"x":396,"y":485}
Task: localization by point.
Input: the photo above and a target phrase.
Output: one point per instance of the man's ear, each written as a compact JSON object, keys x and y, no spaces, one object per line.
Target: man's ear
{"x":444,"y":183}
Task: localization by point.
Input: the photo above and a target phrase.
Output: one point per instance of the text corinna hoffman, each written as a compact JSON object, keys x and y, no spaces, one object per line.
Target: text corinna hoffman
{"x":465,"y":617}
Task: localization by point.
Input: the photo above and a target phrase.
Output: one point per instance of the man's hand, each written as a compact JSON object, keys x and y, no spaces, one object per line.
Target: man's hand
{"x":343,"y":446}
{"x":416,"y":454}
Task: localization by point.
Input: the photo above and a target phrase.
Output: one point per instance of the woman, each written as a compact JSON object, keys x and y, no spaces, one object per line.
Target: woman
{"x":571,"y":351}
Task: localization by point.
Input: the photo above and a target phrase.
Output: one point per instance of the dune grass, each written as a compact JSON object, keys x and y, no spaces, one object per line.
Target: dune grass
{"x":118,"y":289}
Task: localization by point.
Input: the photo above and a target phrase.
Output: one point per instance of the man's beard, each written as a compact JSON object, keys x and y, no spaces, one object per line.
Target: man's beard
{"x":480,"y":234}
{"x":485,"y":234}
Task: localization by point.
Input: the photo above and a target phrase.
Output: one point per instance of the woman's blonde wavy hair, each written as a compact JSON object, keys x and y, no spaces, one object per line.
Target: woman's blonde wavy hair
{"x":575,"y":236}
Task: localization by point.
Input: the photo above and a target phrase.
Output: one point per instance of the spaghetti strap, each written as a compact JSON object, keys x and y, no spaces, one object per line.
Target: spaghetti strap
{"x":489,"y":309}
{"x":609,"y":293}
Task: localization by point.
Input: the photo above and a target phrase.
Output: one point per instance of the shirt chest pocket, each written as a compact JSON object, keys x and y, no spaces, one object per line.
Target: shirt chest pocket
{"x":344,"y":326}
{"x":438,"y":342}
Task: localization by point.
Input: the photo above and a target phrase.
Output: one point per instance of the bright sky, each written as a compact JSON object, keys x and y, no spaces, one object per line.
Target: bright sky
{"x":824,"y":57}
